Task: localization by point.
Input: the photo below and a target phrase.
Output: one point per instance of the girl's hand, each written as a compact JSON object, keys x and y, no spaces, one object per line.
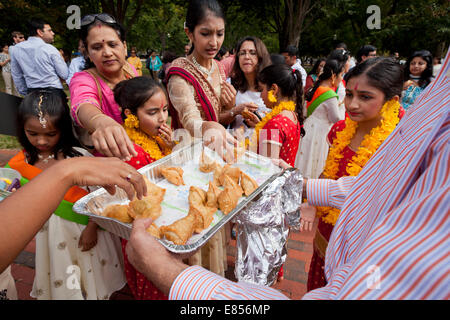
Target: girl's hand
{"x":165,"y":132}
{"x":88,"y":238}
{"x":281,"y":163}
{"x":218,"y":139}
{"x":307,"y":217}
{"x":111,"y":139}
{"x":228,"y":95}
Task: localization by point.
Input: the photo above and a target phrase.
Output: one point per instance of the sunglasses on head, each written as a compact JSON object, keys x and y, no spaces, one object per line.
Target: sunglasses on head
{"x":104,"y":17}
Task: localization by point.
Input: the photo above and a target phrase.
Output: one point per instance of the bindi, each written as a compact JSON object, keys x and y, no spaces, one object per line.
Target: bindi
{"x":356,"y":87}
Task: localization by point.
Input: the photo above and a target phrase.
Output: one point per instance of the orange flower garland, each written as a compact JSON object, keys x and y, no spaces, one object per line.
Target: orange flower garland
{"x":389,"y":120}
{"x":154,"y":146}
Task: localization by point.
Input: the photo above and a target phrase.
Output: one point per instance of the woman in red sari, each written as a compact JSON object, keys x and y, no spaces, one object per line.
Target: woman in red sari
{"x":372,"y":95}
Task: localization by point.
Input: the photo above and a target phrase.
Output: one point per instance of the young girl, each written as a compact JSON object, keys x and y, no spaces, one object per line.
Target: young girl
{"x":418,"y":75}
{"x":372,"y":103}
{"x":145,"y":111}
{"x":74,"y":260}
{"x":323,"y":110}
{"x":278,"y":134}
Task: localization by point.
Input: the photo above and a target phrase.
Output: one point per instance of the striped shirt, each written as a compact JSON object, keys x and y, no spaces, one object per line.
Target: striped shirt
{"x":391,"y":239}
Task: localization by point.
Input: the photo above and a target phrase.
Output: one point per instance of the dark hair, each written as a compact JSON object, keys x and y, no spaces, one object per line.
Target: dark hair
{"x":341,"y":45}
{"x":277,"y":58}
{"x":54,"y":106}
{"x":84,"y":31}
{"x":427,"y":75}
{"x":291,"y":51}
{"x":316,"y":66}
{"x":197,"y":11}
{"x":332,"y":66}
{"x":238,"y":79}
{"x":290,"y":83}
{"x":168,"y":57}
{"x":34,"y":25}
{"x":341,"y":55}
{"x":364,"y":51}
{"x":133,"y":93}
{"x":385,"y":74}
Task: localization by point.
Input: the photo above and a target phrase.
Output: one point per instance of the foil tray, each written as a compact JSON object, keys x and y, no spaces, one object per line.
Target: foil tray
{"x":175,"y":205}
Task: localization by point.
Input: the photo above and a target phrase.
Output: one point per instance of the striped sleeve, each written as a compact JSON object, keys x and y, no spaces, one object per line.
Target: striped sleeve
{"x":328,"y":193}
{"x":196,"y":283}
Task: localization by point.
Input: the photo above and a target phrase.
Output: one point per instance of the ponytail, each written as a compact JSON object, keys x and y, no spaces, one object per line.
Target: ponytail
{"x":299,"y":99}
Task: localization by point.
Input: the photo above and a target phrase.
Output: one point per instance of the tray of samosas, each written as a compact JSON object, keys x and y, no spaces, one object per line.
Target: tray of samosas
{"x":191,"y":194}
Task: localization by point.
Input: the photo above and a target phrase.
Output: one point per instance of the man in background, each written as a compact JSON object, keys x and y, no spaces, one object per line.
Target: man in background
{"x":35,"y":63}
{"x":291,"y":57}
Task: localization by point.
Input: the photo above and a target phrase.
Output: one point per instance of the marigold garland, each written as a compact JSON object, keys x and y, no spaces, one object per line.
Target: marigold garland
{"x":154,"y":146}
{"x":285,"y":105}
{"x":371,"y":142}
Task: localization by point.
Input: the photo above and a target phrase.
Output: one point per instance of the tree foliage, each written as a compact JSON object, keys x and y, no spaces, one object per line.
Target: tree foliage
{"x":314,"y":25}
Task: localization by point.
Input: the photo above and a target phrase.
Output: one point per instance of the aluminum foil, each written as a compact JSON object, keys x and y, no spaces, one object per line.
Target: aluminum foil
{"x":263,"y":229}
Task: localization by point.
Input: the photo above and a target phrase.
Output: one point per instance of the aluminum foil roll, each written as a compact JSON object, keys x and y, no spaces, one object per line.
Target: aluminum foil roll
{"x":263,"y":229}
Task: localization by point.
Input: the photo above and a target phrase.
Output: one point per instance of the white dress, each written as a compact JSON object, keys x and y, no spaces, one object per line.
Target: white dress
{"x":249,"y":97}
{"x":8,"y":289}
{"x":313,"y":147}
{"x":64,"y":272}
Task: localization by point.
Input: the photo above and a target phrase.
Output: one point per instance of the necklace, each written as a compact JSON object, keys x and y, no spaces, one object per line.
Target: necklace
{"x":203,"y":69}
{"x":285,"y":105}
{"x":389,"y":113}
{"x":46,"y":159}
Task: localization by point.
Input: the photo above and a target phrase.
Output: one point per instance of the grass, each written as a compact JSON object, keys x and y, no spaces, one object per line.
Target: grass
{"x":9,"y":142}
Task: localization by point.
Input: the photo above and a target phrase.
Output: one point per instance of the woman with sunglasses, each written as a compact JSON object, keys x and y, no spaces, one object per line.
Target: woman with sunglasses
{"x":92,"y":100}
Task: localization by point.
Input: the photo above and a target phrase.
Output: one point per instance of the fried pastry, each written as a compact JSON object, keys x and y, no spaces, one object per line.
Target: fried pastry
{"x":197,"y":196}
{"x":212,"y":194}
{"x":118,"y":212}
{"x":154,"y":192}
{"x":247,"y":114}
{"x":174,"y":175}
{"x":233,"y":172}
{"x":154,"y":231}
{"x":204,"y":216}
{"x":206,"y":164}
{"x":180,"y":231}
{"x":229,"y":182}
{"x":217,"y":172}
{"x":228,"y":200}
{"x":145,"y":208}
{"x":248,"y":184}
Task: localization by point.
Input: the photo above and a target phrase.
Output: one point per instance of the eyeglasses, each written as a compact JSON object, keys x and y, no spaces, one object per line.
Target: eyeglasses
{"x":252,"y":53}
{"x":104,"y":17}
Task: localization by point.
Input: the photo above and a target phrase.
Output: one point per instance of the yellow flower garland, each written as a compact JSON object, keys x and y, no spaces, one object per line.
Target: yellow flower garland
{"x":285,"y":105}
{"x":389,"y":120}
{"x":154,"y":146}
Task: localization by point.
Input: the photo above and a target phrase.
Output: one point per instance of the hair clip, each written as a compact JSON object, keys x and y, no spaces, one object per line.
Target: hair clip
{"x":42,"y":119}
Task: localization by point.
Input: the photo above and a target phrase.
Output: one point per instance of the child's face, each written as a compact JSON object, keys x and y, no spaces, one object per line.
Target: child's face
{"x":43,"y":139}
{"x":363,"y":102}
{"x":153,"y":114}
{"x":417,"y":66}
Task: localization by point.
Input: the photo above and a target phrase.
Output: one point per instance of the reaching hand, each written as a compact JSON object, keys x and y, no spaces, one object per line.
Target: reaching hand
{"x":307,"y":217}
{"x":106,"y":172}
{"x":111,"y":139}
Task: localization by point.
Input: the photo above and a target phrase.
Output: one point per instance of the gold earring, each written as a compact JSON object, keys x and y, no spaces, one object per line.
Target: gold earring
{"x":271,"y":96}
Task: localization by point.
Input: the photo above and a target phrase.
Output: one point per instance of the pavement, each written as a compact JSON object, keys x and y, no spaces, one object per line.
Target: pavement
{"x":296,"y":267}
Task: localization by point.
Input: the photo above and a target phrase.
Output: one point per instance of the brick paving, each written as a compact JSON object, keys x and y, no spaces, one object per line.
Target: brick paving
{"x":295,"y":268}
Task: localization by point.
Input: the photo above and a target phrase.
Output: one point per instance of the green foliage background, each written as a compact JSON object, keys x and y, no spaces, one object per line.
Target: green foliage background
{"x":406,"y":25}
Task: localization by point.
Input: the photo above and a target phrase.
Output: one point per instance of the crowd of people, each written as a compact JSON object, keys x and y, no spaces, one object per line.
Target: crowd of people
{"x":343,"y":125}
